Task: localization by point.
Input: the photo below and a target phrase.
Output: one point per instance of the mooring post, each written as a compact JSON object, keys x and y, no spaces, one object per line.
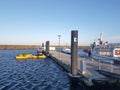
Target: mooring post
{"x":43,"y":45}
{"x":74,"y":52}
{"x":47,"y":47}
{"x":43,"y":48}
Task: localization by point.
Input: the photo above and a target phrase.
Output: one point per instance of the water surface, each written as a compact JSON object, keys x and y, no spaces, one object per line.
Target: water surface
{"x":31,"y":74}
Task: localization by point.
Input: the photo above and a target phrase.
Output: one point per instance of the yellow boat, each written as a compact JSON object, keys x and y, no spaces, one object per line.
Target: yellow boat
{"x":28,"y":56}
{"x":20,"y":57}
{"x":34,"y":56}
{"x":38,"y":57}
{"x":42,"y":56}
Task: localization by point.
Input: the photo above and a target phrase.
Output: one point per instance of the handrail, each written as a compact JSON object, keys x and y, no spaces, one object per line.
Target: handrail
{"x":105,"y":57}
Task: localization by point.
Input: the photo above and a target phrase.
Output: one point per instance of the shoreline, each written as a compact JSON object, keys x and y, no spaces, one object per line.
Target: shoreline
{"x":14,"y":47}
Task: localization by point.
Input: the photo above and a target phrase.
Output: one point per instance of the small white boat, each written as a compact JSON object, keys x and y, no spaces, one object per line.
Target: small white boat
{"x":66,"y":50}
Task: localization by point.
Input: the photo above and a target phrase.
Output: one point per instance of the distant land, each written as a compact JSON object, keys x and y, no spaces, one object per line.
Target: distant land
{"x":22,"y":47}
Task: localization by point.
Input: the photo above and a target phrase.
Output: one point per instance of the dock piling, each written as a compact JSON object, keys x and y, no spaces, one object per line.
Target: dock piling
{"x":47,"y":47}
{"x":74,"y":52}
{"x":43,"y":45}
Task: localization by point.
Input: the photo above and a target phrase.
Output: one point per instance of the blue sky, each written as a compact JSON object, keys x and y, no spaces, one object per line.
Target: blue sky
{"x":36,"y":21}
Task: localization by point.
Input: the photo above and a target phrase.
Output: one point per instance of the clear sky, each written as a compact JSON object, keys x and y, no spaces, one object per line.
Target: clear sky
{"x":36,"y":21}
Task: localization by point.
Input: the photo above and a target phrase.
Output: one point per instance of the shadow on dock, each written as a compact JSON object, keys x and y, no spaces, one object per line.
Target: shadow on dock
{"x":77,"y":84}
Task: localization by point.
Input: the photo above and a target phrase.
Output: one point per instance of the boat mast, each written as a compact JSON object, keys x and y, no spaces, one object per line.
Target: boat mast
{"x":101,"y":41}
{"x":101,"y":35}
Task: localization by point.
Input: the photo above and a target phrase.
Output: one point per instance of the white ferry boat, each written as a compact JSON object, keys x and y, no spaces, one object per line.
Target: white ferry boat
{"x":105,"y":50}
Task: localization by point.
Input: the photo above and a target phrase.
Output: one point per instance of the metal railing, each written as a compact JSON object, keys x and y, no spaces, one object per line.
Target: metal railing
{"x":107,"y":63}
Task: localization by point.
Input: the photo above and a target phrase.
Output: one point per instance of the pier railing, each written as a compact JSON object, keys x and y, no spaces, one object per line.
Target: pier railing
{"x":106,"y":63}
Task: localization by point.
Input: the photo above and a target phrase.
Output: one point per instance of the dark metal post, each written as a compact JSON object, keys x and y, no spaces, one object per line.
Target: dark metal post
{"x":42,"y":44}
{"x":74,"y":52}
{"x":47,"y":47}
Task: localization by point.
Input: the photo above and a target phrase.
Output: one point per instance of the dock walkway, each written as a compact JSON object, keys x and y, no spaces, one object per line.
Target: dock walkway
{"x":92,"y":66}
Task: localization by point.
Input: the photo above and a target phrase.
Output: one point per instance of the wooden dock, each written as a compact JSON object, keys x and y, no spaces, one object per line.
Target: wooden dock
{"x":92,"y":68}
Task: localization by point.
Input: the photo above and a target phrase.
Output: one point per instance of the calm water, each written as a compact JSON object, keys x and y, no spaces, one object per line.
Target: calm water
{"x":30,"y":74}
{"x":81,"y":52}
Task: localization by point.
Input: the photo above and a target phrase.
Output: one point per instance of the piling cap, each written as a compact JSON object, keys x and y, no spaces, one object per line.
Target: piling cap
{"x":74,"y":30}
